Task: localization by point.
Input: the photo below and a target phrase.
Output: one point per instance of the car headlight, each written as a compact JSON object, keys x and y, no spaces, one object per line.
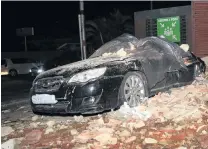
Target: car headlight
{"x":88,"y":75}
{"x":40,"y":70}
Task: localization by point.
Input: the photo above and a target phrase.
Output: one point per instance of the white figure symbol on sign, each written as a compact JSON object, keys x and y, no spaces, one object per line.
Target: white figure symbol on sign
{"x":174,"y":24}
{"x":162,"y":25}
{"x":174,"y":37}
{"x":168,"y":31}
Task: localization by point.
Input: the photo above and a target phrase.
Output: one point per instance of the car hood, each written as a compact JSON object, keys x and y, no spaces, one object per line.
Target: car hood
{"x":69,"y":69}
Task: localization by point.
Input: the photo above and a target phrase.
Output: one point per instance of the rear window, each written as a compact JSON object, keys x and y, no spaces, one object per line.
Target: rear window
{"x":21,"y":60}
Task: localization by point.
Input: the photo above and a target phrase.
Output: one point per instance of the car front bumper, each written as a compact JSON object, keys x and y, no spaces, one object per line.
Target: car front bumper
{"x":92,"y":97}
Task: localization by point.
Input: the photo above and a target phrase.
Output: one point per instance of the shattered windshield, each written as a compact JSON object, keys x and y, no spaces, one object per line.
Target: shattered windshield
{"x":124,"y":45}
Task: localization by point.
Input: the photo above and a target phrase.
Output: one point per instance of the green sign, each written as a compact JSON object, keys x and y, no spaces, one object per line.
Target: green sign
{"x":169,"y":28}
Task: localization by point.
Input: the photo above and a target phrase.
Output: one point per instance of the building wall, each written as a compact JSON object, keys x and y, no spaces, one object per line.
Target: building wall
{"x":200,"y":28}
{"x":141,"y":16}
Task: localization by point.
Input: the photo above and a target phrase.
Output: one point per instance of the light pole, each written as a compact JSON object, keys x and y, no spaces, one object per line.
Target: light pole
{"x":151,"y":7}
{"x":24,"y":32}
{"x":25,"y":43}
{"x":82,"y":30}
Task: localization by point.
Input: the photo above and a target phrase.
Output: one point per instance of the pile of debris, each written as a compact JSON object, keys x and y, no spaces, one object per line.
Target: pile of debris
{"x":178,"y":104}
{"x":174,"y":119}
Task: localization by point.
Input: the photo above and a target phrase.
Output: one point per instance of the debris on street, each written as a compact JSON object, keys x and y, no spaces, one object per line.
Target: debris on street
{"x":177,"y":118}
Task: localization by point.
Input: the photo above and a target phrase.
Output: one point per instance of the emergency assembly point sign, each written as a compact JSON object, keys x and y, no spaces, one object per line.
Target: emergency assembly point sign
{"x":169,"y":28}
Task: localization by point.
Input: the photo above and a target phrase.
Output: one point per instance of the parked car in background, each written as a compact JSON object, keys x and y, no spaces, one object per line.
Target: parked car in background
{"x":18,"y":66}
{"x":123,"y":70}
{"x":36,"y":70}
{"x":65,"y":58}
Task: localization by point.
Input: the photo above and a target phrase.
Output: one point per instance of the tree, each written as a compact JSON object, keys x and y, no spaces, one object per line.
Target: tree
{"x":102,"y":30}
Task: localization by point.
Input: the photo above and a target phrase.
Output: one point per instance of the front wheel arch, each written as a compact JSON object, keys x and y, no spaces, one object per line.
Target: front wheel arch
{"x":121,"y":98}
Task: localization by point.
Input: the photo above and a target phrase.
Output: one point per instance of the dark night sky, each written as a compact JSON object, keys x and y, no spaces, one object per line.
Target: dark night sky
{"x":47,"y":17}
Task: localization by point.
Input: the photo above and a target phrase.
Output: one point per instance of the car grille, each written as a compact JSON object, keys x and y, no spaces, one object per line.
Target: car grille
{"x":49,"y":84}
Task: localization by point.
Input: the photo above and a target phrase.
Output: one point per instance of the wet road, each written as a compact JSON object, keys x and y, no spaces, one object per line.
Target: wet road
{"x":15,"y":104}
{"x":15,"y":95}
{"x":15,"y":89}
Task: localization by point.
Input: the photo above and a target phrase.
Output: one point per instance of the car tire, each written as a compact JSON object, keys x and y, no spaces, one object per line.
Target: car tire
{"x":13,"y":73}
{"x":137,"y":89}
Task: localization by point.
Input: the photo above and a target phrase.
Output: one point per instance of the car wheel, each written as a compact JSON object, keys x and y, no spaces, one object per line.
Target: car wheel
{"x":13,"y":73}
{"x":134,"y":88}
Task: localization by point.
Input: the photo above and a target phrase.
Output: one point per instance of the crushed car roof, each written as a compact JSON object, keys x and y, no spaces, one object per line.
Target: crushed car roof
{"x":146,"y":50}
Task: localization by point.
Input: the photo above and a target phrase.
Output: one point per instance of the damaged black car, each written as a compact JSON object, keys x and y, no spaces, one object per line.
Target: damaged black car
{"x":125,"y":69}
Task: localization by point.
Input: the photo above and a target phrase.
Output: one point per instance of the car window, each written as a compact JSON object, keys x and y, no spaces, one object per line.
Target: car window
{"x":167,"y":46}
{"x":162,"y":45}
{"x":147,"y":45}
{"x":125,"y":43}
{"x":151,"y":45}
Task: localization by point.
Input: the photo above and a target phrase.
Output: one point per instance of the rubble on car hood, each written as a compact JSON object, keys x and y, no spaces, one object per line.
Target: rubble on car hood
{"x":184,"y":47}
{"x":120,"y":53}
{"x":80,"y":65}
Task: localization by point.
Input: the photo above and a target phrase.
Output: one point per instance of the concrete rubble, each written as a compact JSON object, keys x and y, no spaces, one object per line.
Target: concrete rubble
{"x":149,"y":141}
{"x":12,"y":143}
{"x":6,"y":131}
{"x":177,"y":118}
{"x":35,"y":118}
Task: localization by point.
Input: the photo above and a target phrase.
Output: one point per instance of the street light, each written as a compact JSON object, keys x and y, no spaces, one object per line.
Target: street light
{"x":151,"y":7}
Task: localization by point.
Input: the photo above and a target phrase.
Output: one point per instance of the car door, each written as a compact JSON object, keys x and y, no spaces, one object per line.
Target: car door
{"x":21,"y":65}
{"x":171,"y":66}
{"x":154,"y":65}
{"x":15,"y":64}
